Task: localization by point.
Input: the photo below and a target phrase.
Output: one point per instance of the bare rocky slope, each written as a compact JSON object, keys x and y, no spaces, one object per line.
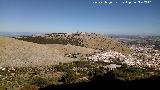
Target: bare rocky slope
{"x":24,"y":54}
{"x":80,"y":52}
{"x":20,"y":53}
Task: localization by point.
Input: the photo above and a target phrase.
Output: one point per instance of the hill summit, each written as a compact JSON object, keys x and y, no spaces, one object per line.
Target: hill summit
{"x":89,"y":40}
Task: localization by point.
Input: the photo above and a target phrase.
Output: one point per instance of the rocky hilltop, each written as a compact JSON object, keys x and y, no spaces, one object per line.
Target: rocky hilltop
{"x":88,"y":40}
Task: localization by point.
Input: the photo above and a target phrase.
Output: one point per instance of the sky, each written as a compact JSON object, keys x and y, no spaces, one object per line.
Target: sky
{"x":81,"y":16}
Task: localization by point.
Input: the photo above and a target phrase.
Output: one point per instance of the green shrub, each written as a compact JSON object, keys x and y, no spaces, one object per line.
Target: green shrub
{"x":40,"y":82}
{"x":69,"y":77}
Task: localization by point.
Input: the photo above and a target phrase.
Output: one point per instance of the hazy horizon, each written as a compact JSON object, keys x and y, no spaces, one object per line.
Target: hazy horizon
{"x":34,"y":33}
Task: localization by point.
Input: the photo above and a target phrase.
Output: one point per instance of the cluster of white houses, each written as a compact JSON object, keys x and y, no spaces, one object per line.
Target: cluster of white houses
{"x":142,"y":57}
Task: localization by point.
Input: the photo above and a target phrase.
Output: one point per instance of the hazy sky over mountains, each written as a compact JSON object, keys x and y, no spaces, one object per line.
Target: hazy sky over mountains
{"x":79,"y":15}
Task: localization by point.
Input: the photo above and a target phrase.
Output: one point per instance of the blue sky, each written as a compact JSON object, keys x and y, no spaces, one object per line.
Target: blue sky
{"x":79,"y":15}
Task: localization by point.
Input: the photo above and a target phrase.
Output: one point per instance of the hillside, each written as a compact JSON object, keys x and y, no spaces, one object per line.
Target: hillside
{"x":89,"y":40}
{"x":24,"y":54}
{"x":15,"y":52}
{"x":83,"y":58}
{"x":66,"y":50}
